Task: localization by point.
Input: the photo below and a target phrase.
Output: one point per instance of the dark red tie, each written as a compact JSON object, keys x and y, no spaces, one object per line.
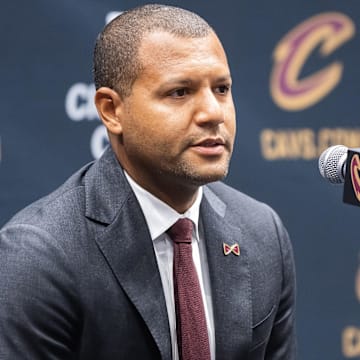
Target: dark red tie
{"x":192,"y":334}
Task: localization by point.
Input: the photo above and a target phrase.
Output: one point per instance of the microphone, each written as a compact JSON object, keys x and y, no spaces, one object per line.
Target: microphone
{"x":332,"y":164}
{"x":338,"y":164}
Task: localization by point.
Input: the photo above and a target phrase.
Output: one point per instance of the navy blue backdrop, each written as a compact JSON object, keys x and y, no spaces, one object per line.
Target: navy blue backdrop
{"x":295,"y":66}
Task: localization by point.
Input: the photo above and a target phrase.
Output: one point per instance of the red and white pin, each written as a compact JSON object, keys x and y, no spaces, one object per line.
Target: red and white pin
{"x":235,"y":249}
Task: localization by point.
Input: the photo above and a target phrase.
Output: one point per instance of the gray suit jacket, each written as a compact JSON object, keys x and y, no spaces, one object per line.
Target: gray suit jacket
{"x":79,"y":278}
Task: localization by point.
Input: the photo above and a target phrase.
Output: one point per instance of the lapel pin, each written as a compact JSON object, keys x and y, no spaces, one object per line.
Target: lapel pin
{"x":235,"y":249}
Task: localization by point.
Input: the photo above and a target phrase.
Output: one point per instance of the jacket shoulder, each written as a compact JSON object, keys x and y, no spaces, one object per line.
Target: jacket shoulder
{"x":67,"y":195}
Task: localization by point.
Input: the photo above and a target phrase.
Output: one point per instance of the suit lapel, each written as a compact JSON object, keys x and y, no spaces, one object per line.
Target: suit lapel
{"x":127,"y":245}
{"x":230,"y":280}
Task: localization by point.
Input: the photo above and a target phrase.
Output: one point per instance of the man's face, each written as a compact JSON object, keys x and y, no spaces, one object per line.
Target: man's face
{"x":178,"y":123}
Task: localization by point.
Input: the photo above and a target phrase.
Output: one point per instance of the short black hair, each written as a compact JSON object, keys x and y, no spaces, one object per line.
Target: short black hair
{"x":116,"y":62}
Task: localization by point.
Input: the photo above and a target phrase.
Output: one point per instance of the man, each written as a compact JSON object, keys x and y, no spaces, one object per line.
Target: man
{"x":87,"y":272}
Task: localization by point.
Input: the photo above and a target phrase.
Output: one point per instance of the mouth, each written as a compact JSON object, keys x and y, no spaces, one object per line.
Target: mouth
{"x":209,"y":142}
{"x":210,"y":146}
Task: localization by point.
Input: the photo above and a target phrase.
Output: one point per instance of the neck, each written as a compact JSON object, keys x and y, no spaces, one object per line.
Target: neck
{"x":178,"y":197}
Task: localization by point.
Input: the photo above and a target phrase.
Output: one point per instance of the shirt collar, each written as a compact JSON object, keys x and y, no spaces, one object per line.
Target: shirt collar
{"x":158,"y":215}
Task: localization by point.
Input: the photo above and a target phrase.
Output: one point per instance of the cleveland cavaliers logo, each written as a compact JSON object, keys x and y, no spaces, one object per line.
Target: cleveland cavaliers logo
{"x":355,"y":178}
{"x":326,"y":31}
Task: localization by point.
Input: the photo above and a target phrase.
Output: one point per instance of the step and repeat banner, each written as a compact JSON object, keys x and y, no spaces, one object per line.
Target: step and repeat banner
{"x":296,"y":71}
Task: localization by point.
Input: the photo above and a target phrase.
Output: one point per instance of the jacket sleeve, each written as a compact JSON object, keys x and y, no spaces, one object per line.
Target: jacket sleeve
{"x":39,"y":318}
{"x":282,"y":342}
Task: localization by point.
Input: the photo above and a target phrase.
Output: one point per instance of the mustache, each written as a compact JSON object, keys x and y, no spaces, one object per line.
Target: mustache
{"x":218,"y":138}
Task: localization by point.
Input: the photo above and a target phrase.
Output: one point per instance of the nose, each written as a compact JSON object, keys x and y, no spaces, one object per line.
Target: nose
{"x":209,"y":110}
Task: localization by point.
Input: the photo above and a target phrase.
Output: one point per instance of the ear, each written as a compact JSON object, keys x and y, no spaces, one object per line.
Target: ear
{"x":109,"y":106}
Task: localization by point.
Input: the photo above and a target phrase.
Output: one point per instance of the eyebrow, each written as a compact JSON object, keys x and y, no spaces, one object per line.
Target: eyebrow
{"x":224,"y":78}
{"x":187,"y":82}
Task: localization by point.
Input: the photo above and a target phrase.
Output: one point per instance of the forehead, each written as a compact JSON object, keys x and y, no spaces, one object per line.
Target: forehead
{"x":163,"y":50}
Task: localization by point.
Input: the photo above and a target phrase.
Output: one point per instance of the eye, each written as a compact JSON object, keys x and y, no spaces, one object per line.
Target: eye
{"x":178,"y":93}
{"x":222,"y":89}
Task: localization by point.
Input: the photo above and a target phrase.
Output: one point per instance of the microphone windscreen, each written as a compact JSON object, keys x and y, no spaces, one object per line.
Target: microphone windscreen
{"x":331,"y":164}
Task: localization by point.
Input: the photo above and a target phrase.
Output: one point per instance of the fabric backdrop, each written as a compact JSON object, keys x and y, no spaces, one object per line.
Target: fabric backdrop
{"x":295,"y":67}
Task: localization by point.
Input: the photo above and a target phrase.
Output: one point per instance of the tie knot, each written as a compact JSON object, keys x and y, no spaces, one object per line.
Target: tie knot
{"x":181,"y":231}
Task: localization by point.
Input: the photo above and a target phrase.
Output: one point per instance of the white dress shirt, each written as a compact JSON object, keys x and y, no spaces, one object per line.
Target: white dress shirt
{"x":159,"y":218}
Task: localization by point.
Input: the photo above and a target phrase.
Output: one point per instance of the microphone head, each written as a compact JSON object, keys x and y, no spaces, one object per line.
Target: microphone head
{"x":331,"y":164}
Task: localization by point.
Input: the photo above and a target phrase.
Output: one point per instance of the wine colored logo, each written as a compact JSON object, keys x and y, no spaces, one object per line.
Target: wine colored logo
{"x":355,"y":178}
{"x":325,"y":32}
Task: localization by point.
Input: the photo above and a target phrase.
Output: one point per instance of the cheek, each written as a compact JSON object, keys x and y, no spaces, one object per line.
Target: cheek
{"x":230,"y":121}
{"x":148,"y":136}
{"x":233,"y":127}
{"x":232,"y":114}
{"x":156,"y":125}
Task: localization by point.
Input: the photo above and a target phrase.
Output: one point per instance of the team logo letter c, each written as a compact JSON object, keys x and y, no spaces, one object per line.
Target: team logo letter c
{"x":327,"y":31}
